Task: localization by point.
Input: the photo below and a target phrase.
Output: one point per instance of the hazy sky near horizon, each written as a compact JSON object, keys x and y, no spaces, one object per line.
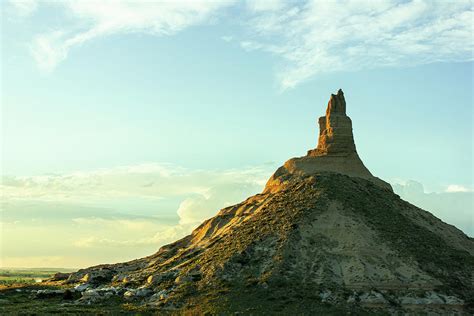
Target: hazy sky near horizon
{"x":126,"y":123}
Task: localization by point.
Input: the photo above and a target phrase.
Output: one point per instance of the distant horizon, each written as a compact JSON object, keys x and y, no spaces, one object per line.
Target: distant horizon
{"x":52,"y":269}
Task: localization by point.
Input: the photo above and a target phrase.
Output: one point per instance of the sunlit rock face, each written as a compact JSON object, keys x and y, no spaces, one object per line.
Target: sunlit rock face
{"x":336,"y":150}
{"x":335,"y":129}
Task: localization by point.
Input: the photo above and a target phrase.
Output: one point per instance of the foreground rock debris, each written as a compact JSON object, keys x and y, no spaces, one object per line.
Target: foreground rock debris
{"x":325,"y":236}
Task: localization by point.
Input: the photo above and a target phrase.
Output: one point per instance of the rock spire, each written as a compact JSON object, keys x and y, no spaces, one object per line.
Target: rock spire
{"x":336,"y":150}
{"x":335,"y":129}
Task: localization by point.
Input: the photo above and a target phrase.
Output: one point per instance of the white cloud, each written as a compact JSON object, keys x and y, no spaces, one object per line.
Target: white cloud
{"x":124,"y":224}
{"x":250,"y":46}
{"x":149,"y":181}
{"x":24,"y":8}
{"x":118,"y":213}
{"x":454,"y":206}
{"x":318,"y":37}
{"x":94,"y":19}
{"x":457,"y":188}
{"x":309,"y":37}
{"x":196,"y":208}
{"x":48,"y":50}
{"x":264,"y":5}
{"x":164,"y":236}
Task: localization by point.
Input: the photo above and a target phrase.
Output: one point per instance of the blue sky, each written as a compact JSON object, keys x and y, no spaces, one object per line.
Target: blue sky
{"x":154,"y":115}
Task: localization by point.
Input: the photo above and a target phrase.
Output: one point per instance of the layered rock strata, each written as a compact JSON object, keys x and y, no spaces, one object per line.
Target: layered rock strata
{"x":335,"y":130}
{"x":336,"y":150}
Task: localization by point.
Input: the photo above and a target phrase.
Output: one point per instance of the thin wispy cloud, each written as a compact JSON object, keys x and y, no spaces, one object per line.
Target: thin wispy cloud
{"x":150,"y":181}
{"x":264,"y":5}
{"x":317,"y":37}
{"x":24,"y":8}
{"x":309,"y":38}
{"x":227,"y":38}
{"x":95,"y":19}
{"x":160,"y":237}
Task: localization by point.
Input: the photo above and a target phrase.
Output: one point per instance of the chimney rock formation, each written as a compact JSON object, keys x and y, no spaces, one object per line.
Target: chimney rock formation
{"x":335,"y":129}
{"x":336,"y":151}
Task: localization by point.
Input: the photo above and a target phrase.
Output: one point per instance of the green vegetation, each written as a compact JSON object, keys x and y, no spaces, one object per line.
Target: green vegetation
{"x":9,"y":277}
{"x":20,"y":301}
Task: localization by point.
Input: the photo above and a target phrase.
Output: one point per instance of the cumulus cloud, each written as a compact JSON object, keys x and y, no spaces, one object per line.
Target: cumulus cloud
{"x":198,"y":207}
{"x":316,"y":37}
{"x":94,"y":19}
{"x":457,"y":188}
{"x":128,"y":210}
{"x":454,"y":206}
{"x":199,"y":193}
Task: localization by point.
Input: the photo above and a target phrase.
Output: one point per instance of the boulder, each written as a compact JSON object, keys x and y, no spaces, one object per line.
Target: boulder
{"x":373,"y":297}
{"x":97,"y":276}
{"x":91,"y":296}
{"x":137,"y":293}
{"x":59,"y":276}
{"x":40,"y":294}
{"x":82,"y":287}
{"x":156,"y":279}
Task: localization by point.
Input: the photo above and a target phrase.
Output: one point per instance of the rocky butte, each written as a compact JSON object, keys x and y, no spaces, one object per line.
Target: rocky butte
{"x":324,"y":237}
